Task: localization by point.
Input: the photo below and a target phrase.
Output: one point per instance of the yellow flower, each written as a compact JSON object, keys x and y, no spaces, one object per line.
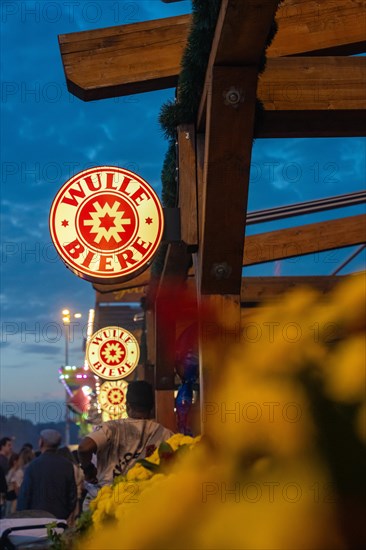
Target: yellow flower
{"x":138,"y":472}
{"x":175,"y":441}
{"x":154,"y":458}
{"x":345,"y":370}
{"x":260,"y":460}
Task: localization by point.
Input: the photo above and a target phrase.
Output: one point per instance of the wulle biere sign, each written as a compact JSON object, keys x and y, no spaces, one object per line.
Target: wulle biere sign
{"x":112,"y":353}
{"x":106,"y":223}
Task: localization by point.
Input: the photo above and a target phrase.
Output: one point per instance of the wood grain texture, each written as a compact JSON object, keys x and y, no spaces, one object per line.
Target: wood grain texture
{"x":188,"y":185}
{"x":219,"y":329}
{"x":128,"y":295}
{"x":125,"y":59}
{"x":304,"y":239}
{"x":139,"y":57}
{"x":164,"y":409}
{"x":259,"y":289}
{"x":141,"y":280}
{"x":320,"y":27}
{"x":314,"y":83}
{"x":312,"y":97}
{"x":228,"y":146}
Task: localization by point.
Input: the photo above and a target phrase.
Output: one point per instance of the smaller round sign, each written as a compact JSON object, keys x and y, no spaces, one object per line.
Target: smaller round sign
{"x":112,"y":397}
{"x":112,"y":353}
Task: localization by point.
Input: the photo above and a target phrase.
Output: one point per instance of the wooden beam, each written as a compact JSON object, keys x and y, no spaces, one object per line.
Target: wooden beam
{"x":305,"y":239}
{"x":150,"y":338}
{"x":310,"y":124}
{"x":176,"y":267}
{"x":141,"y":280}
{"x":188,"y":185}
{"x":260,"y":289}
{"x":146,"y":56}
{"x":240,"y":38}
{"x":126,"y":296}
{"x":241,"y":32}
{"x":220,"y":325}
{"x":266,"y":247}
{"x":228,"y":145}
{"x":126,"y":59}
{"x":172,"y":279}
{"x":165,"y":336}
{"x":231,"y":102}
{"x":164,"y":409}
{"x":319,"y":27}
{"x":314,"y":84}
{"x":313,"y":97}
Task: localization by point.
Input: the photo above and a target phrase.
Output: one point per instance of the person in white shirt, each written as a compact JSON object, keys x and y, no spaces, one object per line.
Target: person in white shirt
{"x":118,"y":444}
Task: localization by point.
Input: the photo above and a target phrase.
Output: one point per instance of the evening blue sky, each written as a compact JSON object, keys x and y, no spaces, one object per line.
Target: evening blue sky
{"x":47,"y":135}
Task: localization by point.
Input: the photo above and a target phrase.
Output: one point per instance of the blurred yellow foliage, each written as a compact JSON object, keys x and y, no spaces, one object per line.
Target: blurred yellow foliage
{"x":265,"y":474}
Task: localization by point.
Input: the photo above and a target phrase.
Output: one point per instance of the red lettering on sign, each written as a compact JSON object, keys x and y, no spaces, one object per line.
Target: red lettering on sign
{"x":139,"y":195}
{"x":124,"y":185}
{"x":88,"y":259}
{"x":106,"y":224}
{"x":125,"y":258}
{"x":99,"y":367}
{"x":105,"y":263}
{"x":109,"y":184}
{"x":97,"y":340}
{"x":91,"y":185}
{"x":74,"y":193}
{"x":142,"y":246}
{"x":74,"y":249}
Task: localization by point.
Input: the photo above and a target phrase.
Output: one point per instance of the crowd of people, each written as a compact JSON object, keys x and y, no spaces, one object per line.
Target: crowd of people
{"x":48,"y":478}
{"x":60,"y":482}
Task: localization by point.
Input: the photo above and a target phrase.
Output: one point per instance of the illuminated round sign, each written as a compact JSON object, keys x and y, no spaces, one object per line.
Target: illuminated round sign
{"x":112,"y":353}
{"x":106,"y":224}
{"x":112,"y":397}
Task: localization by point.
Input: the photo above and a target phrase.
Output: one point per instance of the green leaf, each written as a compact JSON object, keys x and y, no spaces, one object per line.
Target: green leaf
{"x":149,"y":465}
{"x":165,"y":449}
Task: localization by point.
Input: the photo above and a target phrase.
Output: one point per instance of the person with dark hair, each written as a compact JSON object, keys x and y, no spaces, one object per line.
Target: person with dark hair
{"x":49,"y":482}
{"x":18,"y":464}
{"x":12,"y":481}
{"x":6,"y":449}
{"x":27,"y":446}
{"x":3,"y":491}
{"x":79,"y":480}
{"x":118,"y":444}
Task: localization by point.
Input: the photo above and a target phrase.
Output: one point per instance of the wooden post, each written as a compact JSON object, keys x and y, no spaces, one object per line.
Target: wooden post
{"x":218,"y":332}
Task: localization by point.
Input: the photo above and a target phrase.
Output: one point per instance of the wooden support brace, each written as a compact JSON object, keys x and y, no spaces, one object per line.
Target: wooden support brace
{"x":220,"y":326}
{"x":260,"y":289}
{"x":164,"y":409}
{"x":228,"y":146}
{"x":174,"y":274}
{"x":304,"y":239}
{"x":188,"y":185}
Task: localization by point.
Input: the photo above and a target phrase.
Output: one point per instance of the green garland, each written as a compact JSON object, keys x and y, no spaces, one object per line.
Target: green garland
{"x":193,"y":68}
{"x":190,"y":87}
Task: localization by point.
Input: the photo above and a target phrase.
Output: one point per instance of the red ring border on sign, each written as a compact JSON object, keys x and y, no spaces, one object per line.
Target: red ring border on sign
{"x":99,"y":366}
{"x":95,"y":276}
{"x":112,"y":409}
